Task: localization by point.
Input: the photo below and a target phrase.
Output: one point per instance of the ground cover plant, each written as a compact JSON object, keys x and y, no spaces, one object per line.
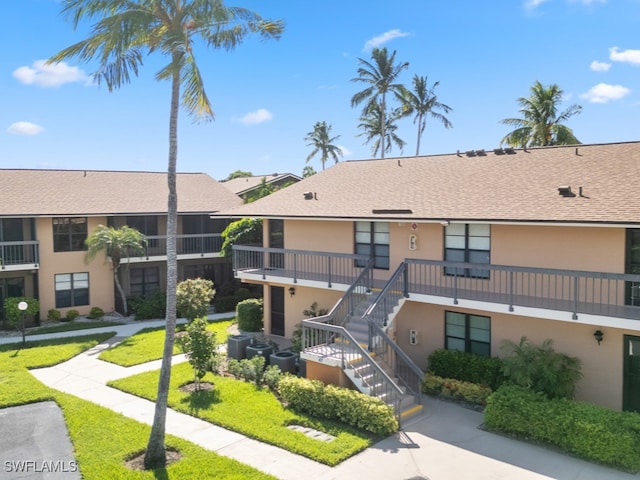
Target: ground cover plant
{"x":255,"y":412}
{"x":90,"y":424}
{"x":147,"y":344}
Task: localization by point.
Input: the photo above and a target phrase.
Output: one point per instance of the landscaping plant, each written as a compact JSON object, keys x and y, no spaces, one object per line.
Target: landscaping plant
{"x":193,"y":297}
{"x":249,"y":315}
{"x":199,"y":346}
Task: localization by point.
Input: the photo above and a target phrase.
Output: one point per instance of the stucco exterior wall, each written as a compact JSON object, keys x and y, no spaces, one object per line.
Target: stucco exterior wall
{"x":322,"y":236}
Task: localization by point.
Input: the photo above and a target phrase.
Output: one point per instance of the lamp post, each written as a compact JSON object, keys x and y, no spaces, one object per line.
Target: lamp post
{"x":22,"y":306}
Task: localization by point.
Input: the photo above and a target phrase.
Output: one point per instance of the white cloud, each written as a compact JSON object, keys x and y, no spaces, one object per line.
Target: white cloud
{"x":603,"y":93}
{"x":254,"y":118}
{"x":50,"y":75}
{"x":345,"y":151}
{"x":384,"y":38}
{"x":600,"y":66}
{"x":533,"y":4}
{"x":626,"y":56}
{"x":24,"y":128}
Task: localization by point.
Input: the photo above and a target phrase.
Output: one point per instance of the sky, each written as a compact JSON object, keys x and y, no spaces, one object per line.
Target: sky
{"x":267,"y":95}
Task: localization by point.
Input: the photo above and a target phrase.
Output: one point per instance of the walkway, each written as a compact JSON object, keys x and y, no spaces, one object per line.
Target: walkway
{"x":443,"y":443}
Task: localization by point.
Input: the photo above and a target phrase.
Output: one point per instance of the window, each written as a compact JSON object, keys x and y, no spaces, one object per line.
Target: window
{"x":632,"y":289}
{"x":468,"y":333}
{"x":72,"y":289}
{"x":372,"y":239}
{"x":144,"y":281}
{"x":69,"y":234}
{"x":469,"y":243}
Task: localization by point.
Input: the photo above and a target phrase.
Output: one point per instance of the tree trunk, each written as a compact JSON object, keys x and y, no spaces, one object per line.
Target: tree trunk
{"x":420,"y":130}
{"x":383,"y":123}
{"x":123,"y":296}
{"x":156,"y":455}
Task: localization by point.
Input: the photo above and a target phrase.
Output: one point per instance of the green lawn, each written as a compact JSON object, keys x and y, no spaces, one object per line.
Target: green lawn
{"x":254,"y":412}
{"x":103,"y":439}
{"x":147,"y":345}
{"x":71,"y":326}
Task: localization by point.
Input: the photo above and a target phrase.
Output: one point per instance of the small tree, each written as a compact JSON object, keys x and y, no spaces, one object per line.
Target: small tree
{"x":199,"y":345}
{"x":15,"y":316}
{"x":117,"y":243}
{"x":193,"y":297}
{"x":243,"y":231}
{"x":249,"y":314}
{"x":540,"y":368}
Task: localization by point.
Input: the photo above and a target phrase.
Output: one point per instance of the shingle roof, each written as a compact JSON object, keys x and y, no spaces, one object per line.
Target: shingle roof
{"x":92,"y":192}
{"x":241,"y":185}
{"x":520,"y":187}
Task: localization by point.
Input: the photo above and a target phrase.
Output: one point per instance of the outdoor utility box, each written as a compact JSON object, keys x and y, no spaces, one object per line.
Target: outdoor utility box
{"x":286,"y":361}
{"x":263,"y":349}
{"x":236,"y":346}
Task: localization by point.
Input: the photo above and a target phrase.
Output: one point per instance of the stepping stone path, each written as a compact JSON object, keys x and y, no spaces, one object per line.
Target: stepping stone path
{"x":312,"y":433}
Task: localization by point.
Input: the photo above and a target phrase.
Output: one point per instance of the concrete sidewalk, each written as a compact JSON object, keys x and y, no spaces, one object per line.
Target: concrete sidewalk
{"x":443,"y":443}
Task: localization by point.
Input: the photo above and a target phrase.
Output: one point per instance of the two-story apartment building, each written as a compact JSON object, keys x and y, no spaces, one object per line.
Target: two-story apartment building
{"x":46,"y":216}
{"x":467,"y":250}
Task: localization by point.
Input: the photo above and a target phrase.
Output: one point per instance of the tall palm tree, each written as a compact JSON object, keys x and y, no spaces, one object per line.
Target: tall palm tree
{"x":370,"y":124}
{"x":541,"y":124}
{"x":380,"y":75}
{"x":422,"y":101}
{"x":127,"y":30}
{"x":116,"y":243}
{"x":322,"y":141}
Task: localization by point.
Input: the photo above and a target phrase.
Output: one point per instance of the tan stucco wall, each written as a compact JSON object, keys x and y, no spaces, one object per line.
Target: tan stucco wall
{"x":327,"y":374}
{"x":101,"y":288}
{"x":575,"y":248}
{"x":322,"y":236}
{"x":602,"y":365}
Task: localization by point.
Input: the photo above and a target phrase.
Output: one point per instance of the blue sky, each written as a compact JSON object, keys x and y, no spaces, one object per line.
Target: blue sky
{"x":268,"y":95}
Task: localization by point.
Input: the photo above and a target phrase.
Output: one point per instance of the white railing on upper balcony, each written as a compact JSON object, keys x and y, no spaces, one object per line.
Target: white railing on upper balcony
{"x":16,"y":254}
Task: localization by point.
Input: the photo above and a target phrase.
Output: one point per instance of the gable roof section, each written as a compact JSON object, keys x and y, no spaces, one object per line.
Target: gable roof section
{"x":94,"y":192}
{"x":517,"y":187}
{"x":242,"y":185}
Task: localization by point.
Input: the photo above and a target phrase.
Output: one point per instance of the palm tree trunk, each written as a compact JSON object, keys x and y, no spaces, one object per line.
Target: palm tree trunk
{"x":383,"y":123}
{"x":420,"y":130}
{"x":123,"y":296}
{"x":156,"y":453}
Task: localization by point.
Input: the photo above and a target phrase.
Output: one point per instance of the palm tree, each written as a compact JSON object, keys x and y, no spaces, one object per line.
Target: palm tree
{"x":127,"y":30}
{"x":321,"y":140}
{"x":380,"y":76}
{"x":117,"y":243}
{"x":422,"y":101}
{"x":541,"y":125}
{"x":370,"y":122}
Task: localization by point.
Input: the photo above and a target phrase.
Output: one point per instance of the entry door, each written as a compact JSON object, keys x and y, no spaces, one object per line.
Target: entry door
{"x":631,"y":389}
{"x":277,"y":310}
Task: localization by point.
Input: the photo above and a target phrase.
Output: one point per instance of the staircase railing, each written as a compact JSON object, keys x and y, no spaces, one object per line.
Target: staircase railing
{"x":322,"y":337}
{"x":407,"y":372}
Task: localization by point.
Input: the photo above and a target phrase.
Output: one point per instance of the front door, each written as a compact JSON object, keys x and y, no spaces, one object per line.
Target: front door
{"x":277,"y":311}
{"x":631,"y":388}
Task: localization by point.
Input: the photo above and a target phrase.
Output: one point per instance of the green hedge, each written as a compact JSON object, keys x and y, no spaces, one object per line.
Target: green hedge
{"x":467,"y":367}
{"x":588,"y":431}
{"x":348,"y":406}
{"x":249,"y":315}
{"x":455,"y":389}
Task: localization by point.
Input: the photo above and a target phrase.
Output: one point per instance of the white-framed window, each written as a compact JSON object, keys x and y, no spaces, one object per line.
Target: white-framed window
{"x":72,"y":289}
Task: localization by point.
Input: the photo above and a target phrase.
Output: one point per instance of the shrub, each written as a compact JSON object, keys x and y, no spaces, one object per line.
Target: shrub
{"x":467,"y":367}
{"x":15,"y":316}
{"x":249,"y":315}
{"x":95,"y":313}
{"x":540,"y":368}
{"x":150,"y":306}
{"x":53,"y":315}
{"x":72,"y":315}
{"x":249,"y":369}
{"x":243,"y":231}
{"x":456,"y":389}
{"x":193,"y":297}
{"x":336,"y":403}
{"x":588,"y":431}
{"x":199,"y":345}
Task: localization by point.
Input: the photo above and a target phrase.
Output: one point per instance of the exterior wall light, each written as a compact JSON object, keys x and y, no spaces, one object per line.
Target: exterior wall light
{"x":292,"y":291}
{"x":598,"y":335}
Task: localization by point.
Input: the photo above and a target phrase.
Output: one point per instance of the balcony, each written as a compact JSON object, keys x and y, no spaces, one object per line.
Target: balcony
{"x":315,"y":269}
{"x":16,"y":256}
{"x":205,"y":245}
{"x":544,"y":293}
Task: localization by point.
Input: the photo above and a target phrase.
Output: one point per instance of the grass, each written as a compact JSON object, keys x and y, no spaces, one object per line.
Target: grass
{"x":147,"y":345}
{"x":72,"y":326}
{"x":254,"y":412}
{"x":89,"y":424}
